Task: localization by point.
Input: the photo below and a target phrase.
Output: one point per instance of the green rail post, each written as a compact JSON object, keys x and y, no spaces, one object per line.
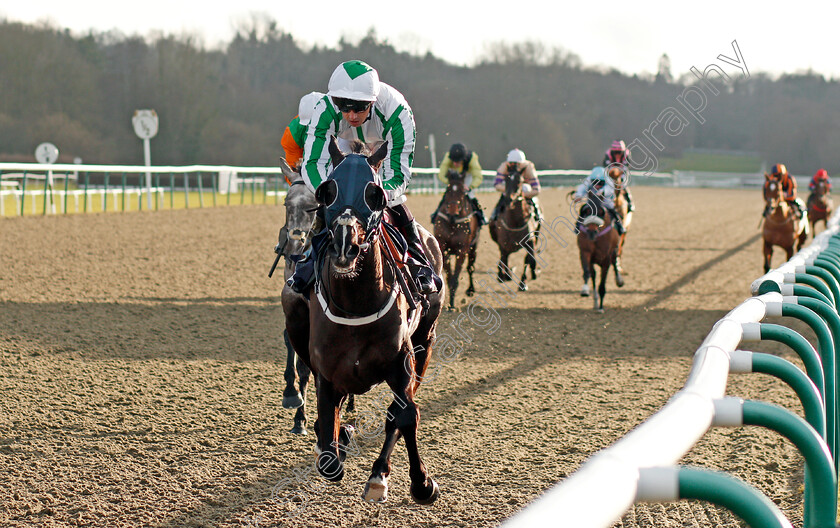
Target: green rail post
{"x":801,"y":384}
{"x":23,"y":194}
{"x":826,"y":350}
{"x":87,"y":182}
{"x":200,"y":192}
{"x":254,"y":199}
{"x":66,"y":188}
{"x":806,"y":352}
{"x":828,"y":278}
{"x":213,"y":184}
{"x":105,"y":193}
{"x":186,"y":190}
{"x":826,"y":263}
{"x":820,"y":480}
{"x":831,"y":317}
{"x":45,"y":196}
{"x":123,"y":191}
{"x":171,"y":190}
{"x":737,"y":496}
{"x":158,"y":197}
{"x":820,"y":286}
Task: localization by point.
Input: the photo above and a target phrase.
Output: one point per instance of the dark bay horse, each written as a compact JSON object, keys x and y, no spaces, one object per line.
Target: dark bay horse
{"x":619,"y":178}
{"x":820,"y":205}
{"x":456,"y":230}
{"x":598,"y":244}
{"x":781,"y":226}
{"x":515,"y":228}
{"x":361,"y":328}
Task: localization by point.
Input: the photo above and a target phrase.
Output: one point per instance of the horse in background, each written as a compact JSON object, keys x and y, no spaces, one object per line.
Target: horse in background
{"x":619,"y":178}
{"x":363,"y":326}
{"x":598,"y":244}
{"x":820,"y":205}
{"x":781,"y":226}
{"x":514,"y":228}
{"x":456,"y":230}
{"x":300,"y":207}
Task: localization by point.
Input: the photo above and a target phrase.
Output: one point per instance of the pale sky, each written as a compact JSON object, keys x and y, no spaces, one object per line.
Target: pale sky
{"x":629,"y":36}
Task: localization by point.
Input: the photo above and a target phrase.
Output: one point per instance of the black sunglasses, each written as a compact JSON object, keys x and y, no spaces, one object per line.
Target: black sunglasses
{"x":350,"y":105}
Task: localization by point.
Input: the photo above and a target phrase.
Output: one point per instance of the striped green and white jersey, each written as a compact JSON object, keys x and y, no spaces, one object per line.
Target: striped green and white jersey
{"x":391,"y":121}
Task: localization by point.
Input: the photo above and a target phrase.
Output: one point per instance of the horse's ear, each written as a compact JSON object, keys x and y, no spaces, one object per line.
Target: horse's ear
{"x":335,"y":153}
{"x":287,"y":171}
{"x":376,"y":158}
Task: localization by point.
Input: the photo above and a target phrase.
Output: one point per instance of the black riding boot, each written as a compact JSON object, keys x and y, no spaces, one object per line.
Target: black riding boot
{"x":304,"y":274}
{"x":425,"y":277}
{"x":479,"y":212}
{"x":616,"y":220}
{"x":498,"y":209}
{"x":434,"y":215}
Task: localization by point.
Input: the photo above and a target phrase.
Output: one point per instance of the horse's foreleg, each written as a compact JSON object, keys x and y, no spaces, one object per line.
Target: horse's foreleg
{"x":300,"y":415}
{"x":768,"y":255}
{"x":596,"y":295}
{"x":292,"y":399}
{"x":619,"y":280}
{"x":602,"y":285}
{"x":453,"y":279}
{"x":505,"y":273}
{"x":584,"y":262}
{"x":329,"y":461}
{"x":470,"y":270}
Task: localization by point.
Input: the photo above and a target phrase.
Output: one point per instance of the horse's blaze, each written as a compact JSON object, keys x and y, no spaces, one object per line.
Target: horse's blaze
{"x":376,"y":489}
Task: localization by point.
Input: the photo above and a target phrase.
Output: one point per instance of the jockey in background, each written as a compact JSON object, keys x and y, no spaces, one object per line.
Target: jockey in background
{"x":604,"y":188}
{"x":516,"y":162}
{"x":821,"y":174}
{"x":780,"y":174}
{"x":360,"y":107}
{"x":619,"y":155}
{"x":465,"y":162}
{"x":295,"y":134}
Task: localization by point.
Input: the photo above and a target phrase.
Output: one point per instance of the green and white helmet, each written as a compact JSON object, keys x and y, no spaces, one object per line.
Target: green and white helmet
{"x":354,"y":80}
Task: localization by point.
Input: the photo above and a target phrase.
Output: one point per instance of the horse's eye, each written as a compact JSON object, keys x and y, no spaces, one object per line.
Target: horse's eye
{"x":326,"y":193}
{"x":375,"y":197}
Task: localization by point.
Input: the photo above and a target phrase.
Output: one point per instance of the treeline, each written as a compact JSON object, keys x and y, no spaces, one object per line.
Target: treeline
{"x":230,"y":106}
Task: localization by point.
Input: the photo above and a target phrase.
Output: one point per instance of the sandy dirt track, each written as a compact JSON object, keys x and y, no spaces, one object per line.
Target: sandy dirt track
{"x":141,"y":373}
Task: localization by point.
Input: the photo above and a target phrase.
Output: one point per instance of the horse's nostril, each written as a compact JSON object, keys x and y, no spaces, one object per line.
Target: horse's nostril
{"x":353,"y":252}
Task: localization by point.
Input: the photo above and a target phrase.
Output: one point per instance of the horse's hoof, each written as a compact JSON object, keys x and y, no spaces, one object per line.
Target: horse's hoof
{"x":450,"y":308}
{"x":523,"y":286}
{"x":584,"y":290}
{"x":599,"y":310}
{"x":330,"y":467}
{"x":299,"y":429}
{"x":619,"y":281}
{"x":470,"y":292}
{"x":376,"y":490}
{"x":427,"y":493}
{"x":292,"y":401}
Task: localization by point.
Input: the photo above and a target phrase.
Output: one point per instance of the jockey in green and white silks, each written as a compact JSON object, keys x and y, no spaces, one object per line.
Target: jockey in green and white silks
{"x":390,"y":120}
{"x":358,"y":106}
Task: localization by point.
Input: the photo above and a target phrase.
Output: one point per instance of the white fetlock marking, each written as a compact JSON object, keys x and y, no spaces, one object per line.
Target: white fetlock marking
{"x":376,"y":489}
